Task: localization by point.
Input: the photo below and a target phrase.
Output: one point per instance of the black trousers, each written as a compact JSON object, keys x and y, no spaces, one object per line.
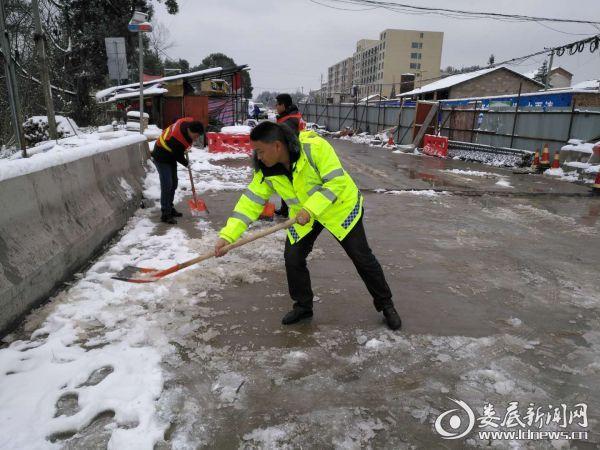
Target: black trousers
{"x":357,"y":248}
{"x":167,"y":173}
{"x":284,"y":208}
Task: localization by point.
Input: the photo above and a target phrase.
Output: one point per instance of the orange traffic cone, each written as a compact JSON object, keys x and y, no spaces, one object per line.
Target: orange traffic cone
{"x":545,"y":163}
{"x":596,"y":185}
{"x":556,"y":160}
{"x":268,"y":211}
{"x":535,"y":165}
{"x":391,"y":140}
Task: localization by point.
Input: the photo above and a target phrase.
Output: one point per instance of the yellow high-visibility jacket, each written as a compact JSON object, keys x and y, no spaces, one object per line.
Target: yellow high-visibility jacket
{"x":318,"y":184}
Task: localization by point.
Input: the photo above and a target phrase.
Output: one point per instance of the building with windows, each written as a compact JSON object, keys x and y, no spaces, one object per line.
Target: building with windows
{"x":378,"y":64}
{"x":340,"y":78}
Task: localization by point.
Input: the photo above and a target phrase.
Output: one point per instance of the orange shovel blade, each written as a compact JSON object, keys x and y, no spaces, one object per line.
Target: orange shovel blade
{"x":197,"y":205}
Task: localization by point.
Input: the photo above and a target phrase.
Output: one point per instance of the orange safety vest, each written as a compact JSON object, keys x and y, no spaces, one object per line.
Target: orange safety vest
{"x":301,"y":122}
{"x":174,"y":131}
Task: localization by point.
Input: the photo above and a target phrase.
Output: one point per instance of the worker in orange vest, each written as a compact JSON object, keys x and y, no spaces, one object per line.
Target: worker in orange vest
{"x":288,"y":114}
{"x":171,"y":148}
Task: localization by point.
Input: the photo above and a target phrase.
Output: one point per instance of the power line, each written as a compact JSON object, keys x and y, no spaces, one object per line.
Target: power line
{"x":456,"y":13}
{"x":342,"y":9}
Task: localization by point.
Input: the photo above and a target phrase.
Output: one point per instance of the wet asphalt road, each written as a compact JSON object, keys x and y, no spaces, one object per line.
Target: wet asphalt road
{"x":499,"y":293}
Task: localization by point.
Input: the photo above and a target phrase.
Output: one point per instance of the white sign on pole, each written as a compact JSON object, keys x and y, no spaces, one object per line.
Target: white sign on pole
{"x":116,"y":58}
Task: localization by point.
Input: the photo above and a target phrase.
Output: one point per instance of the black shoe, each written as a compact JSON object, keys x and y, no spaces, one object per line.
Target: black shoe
{"x":296,"y":315}
{"x":392,"y":318}
{"x":175,"y":213}
{"x":168,"y":219}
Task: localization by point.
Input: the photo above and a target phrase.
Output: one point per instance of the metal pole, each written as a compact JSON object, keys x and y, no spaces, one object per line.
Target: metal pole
{"x":473,"y":124}
{"x":512,"y":135}
{"x":399,"y":121}
{"x":118,"y":64}
{"x":368,"y":128}
{"x":571,"y":119}
{"x":141,"y":67}
{"x":354,"y":110}
{"x":547,"y":77}
{"x":379,"y":108}
{"x":11,"y":77}
{"x":40,"y":44}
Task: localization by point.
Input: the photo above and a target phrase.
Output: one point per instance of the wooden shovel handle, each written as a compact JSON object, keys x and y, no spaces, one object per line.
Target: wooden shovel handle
{"x":260,"y":234}
{"x":187,"y":157}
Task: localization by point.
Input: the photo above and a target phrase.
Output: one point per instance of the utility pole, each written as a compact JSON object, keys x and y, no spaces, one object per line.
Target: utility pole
{"x":40,"y":44}
{"x":321,"y":90}
{"x":141,"y":67}
{"x":138,"y":24}
{"x":547,"y":77}
{"x":11,"y":77}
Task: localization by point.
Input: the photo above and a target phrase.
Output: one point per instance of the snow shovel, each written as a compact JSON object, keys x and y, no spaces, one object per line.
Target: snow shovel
{"x":133,"y":274}
{"x":196,"y":204}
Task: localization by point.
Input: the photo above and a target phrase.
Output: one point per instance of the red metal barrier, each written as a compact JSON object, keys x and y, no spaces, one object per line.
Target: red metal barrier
{"x":435,"y":146}
{"x":229,"y":143}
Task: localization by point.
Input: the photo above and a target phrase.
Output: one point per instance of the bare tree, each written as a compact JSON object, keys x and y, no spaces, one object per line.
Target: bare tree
{"x":160,"y":40}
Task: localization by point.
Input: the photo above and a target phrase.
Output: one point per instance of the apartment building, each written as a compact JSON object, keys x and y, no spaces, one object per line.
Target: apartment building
{"x":340,"y":78}
{"x":378,"y":64}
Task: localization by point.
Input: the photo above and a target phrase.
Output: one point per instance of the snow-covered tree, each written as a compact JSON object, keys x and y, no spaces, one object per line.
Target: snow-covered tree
{"x":542,"y":72}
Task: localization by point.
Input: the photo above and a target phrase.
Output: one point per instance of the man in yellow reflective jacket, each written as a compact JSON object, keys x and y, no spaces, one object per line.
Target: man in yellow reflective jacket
{"x":306,"y":172}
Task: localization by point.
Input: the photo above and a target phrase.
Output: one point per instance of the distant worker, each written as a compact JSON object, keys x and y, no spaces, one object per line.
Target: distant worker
{"x":171,"y":148}
{"x":288,"y":114}
{"x":306,"y":172}
{"x":255,"y":112}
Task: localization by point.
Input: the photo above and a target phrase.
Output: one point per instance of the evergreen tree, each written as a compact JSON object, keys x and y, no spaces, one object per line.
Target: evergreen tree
{"x":542,"y":72}
{"x":491,"y":60}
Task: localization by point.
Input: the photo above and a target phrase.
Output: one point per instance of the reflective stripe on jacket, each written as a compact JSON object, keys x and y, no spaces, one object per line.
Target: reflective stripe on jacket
{"x":319,"y":184}
{"x":174,"y":132}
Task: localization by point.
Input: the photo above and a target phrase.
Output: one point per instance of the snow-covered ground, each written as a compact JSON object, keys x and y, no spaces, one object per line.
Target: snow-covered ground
{"x":97,"y":347}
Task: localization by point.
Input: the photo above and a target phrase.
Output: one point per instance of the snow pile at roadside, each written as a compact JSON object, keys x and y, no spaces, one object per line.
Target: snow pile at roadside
{"x":54,"y":153}
{"x":472,"y":173}
{"x":362,"y":138}
{"x":238,"y":129}
{"x":560,"y":173}
{"x":578,"y":145}
{"x":64,"y":125}
{"x":422,"y":193}
{"x":504,"y":183}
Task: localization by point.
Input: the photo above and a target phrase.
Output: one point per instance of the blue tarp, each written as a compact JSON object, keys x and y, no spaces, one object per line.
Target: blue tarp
{"x":543,"y":99}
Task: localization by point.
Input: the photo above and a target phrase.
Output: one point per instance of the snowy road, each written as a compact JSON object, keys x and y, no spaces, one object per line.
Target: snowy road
{"x":499,"y":295}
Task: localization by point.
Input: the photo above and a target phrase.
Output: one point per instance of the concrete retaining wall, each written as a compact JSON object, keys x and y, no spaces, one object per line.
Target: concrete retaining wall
{"x":52,"y":221}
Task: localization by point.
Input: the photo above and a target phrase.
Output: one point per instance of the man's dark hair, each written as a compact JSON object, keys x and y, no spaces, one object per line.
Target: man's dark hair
{"x":284,"y":99}
{"x":196,"y":127}
{"x":271,"y":132}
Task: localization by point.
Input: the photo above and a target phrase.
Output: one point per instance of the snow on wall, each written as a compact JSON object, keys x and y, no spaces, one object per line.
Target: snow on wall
{"x":65,"y":151}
